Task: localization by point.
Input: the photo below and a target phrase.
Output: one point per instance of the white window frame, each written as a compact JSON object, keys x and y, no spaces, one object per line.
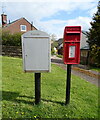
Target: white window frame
{"x":22,"y":26}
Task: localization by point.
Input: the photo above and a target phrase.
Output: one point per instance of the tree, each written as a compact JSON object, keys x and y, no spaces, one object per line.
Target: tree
{"x":94,"y":37}
{"x":53,"y":37}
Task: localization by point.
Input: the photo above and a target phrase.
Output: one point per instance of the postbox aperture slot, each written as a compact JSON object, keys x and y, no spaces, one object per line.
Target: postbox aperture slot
{"x":72,"y":36}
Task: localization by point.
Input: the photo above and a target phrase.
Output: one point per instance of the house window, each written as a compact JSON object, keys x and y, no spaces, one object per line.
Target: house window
{"x":23,"y":27}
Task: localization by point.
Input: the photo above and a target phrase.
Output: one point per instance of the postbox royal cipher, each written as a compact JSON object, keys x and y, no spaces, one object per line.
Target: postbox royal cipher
{"x":71,"y":44}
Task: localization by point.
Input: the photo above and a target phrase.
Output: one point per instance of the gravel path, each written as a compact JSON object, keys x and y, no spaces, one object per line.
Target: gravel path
{"x":78,"y":72}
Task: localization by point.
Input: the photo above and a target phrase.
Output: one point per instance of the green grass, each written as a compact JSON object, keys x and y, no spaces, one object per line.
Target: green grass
{"x":18,"y":94}
{"x":96,"y":69}
{"x":60,"y":56}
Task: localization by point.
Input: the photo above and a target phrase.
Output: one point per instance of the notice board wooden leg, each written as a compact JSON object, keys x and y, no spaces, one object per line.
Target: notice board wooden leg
{"x":37,"y":88}
{"x":68,"y":82}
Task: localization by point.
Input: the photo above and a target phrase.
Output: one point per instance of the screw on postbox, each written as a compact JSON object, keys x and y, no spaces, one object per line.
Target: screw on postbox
{"x":71,"y":45}
{"x":71,"y":52}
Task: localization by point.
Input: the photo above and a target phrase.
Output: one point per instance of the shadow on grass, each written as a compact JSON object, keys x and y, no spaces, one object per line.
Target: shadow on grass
{"x":9,"y":96}
{"x":61,"y":103}
{"x":16,"y":97}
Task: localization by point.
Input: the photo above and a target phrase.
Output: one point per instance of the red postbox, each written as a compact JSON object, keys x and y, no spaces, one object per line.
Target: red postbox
{"x":71,"y":45}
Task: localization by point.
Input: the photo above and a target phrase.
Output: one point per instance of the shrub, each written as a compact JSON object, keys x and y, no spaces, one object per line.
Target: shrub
{"x":52,"y":51}
{"x":9,"y":39}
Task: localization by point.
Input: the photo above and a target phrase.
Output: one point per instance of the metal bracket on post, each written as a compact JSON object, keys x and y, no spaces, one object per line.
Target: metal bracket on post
{"x":68,"y":82}
{"x":37,"y":88}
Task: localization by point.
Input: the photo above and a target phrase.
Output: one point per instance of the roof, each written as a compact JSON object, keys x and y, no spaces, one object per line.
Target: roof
{"x":60,"y":46}
{"x":60,"y":41}
{"x":83,"y":41}
{"x":85,"y":48}
{"x":18,"y":20}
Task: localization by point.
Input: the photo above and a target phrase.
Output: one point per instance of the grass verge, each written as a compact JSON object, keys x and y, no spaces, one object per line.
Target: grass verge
{"x":18,"y":94}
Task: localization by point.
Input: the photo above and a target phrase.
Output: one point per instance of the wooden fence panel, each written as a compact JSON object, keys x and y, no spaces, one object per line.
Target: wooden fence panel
{"x":13,"y":51}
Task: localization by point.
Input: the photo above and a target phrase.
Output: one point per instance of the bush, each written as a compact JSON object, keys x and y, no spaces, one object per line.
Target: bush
{"x":52,"y":51}
{"x":9,"y":39}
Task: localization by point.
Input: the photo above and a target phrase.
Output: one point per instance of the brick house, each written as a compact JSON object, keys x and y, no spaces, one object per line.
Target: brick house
{"x":19,"y":25}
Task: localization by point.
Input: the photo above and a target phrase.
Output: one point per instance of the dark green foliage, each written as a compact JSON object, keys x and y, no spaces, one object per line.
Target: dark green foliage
{"x":94,"y":31}
{"x":11,"y":39}
{"x":94,"y":37}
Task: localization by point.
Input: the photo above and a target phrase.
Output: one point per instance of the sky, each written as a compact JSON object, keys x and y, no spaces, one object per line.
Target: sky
{"x":51,"y":16}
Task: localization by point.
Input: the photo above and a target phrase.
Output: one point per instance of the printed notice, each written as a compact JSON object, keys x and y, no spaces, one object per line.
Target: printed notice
{"x":71,"y":51}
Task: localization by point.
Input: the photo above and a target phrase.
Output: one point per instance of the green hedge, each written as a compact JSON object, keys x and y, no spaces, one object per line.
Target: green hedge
{"x":9,"y":39}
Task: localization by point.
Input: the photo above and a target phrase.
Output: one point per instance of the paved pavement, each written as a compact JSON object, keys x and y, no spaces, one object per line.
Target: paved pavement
{"x":79,"y":70}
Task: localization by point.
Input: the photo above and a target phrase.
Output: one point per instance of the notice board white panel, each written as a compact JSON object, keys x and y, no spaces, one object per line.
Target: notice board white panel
{"x":36,"y":53}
